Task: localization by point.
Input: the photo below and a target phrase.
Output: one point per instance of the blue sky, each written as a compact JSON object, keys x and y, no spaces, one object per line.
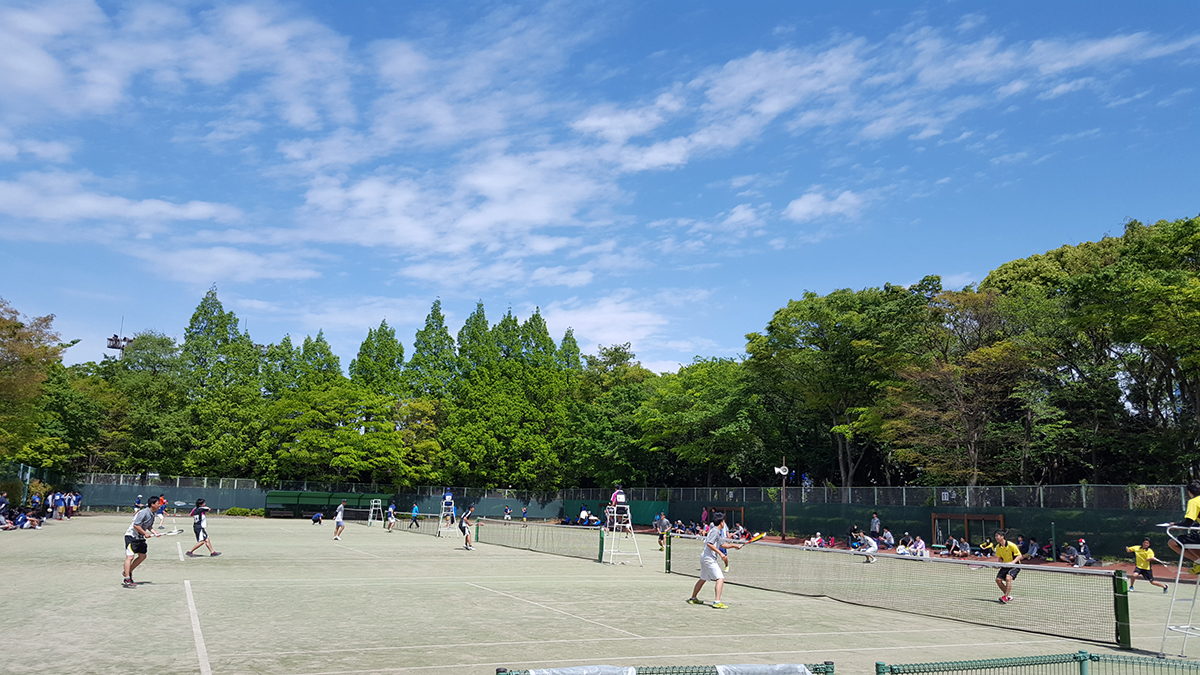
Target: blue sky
{"x":667,"y":174}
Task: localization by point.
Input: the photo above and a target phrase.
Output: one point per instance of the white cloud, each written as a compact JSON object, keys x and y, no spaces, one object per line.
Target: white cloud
{"x":63,"y":198}
{"x":560,"y":276}
{"x":814,"y":205}
{"x":615,"y":319}
{"x":226,"y":264}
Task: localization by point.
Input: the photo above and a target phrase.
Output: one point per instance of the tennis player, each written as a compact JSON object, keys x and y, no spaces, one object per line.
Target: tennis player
{"x":135,"y":540}
{"x":525,"y":514}
{"x":414,"y":522}
{"x":160,"y":516}
{"x":1007,"y":552}
{"x":710,"y":569}
{"x":391,"y":516}
{"x":507,"y":512}
{"x":1144,"y":555}
{"x":339,"y":521}
{"x":1191,"y":518}
{"x":867,"y":545}
{"x":200,"y":527}
{"x":663,"y":527}
{"x":464,"y":526}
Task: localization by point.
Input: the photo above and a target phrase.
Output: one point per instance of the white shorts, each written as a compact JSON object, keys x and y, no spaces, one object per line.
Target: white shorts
{"x":507,"y":517}
{"x":339,"y":523}
{"x":391,"y":519}
{"x":710,"y":569}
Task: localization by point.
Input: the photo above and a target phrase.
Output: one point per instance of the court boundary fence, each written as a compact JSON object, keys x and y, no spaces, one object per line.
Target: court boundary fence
{"x":1080,"y":662}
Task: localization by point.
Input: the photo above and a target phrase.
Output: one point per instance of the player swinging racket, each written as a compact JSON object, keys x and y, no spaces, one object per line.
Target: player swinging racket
{"x":1007,"y":552}
{"x":710,"y":569}
{"x":200,"y":527}
{"x":464,"y":526}
{"x":1144,"y":555}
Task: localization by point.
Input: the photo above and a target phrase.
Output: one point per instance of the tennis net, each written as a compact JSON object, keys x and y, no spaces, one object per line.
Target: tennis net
{"x":1074,"y":603}
{"x":427,"y":523}
{"x":565,"y":540}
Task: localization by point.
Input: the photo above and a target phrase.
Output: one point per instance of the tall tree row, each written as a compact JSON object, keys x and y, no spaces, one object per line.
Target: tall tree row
{"x":1079,"y":364}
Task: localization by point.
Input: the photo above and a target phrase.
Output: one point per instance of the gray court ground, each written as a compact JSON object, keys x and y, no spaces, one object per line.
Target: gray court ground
{"x":286,"y":598}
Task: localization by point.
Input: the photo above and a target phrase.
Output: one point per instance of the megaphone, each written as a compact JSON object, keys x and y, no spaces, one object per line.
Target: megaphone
{"x":781,"y":470}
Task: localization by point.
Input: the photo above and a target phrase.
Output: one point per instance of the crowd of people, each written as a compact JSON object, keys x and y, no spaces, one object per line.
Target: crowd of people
{"x":38,"y":511}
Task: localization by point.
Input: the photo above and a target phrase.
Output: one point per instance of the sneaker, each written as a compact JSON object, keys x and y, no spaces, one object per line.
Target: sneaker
{"x":214,"y":554}
{"x":660,"y":548}
{"x":720,"y":605}
{"x":1164,"y":589}
{"x":190,"y":554}
{"x":1004,"y":599}
{"x":337,"y":538}
{"x":128,"y":583}
{"x":695,"y":601}
{"x":1195,"y":568}
{"x":466,"y":548}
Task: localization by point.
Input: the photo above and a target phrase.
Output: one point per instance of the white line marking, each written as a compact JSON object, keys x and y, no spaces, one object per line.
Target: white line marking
{"x":201,"y":652}
{"x":574,"y":616}
{"x":518,"y":643}
{"x":358,"y":551}
{"x":676,"y":656}
{"x":180,"y":545}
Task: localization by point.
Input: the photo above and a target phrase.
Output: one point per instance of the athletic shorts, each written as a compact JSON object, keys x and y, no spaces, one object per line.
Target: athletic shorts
{"x":134,"y":546}
{"x":710,"y":569}
{"x":1146,"y":574}
{"x":391,"y":519}
{"x":339,"y":523}
{"x":462,"y":528}
{"x":1008,"y":572}
{"x":507,"y":517}
{"x":1189,"y":537}
{"x":201,"y":534}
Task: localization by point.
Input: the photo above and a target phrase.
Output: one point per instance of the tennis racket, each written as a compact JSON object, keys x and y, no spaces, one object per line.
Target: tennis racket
{"x":749,"y":541}
{"x":173,"y":532}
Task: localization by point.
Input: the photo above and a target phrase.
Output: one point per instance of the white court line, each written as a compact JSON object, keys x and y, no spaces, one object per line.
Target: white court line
{"x":574,"y":616}
{"x":180,"y":545}
{"x":518,"y":643}
{"x":677,"y":656}
{"x":201,"y":652}
{"x":357,"y":551}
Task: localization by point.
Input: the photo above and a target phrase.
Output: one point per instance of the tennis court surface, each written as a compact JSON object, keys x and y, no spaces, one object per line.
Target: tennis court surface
{"x":285,"y":598}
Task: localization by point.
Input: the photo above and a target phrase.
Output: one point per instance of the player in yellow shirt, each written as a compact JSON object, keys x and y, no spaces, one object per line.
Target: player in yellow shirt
{"x":1144,"y":555}
{"x":1007,"y":552}
{"x":1191,"y":518}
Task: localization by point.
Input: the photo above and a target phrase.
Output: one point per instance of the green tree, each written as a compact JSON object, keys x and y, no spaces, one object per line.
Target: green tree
{"x":433,"y":368}
{"x":379,"y":366}
{"x":28,"y":349}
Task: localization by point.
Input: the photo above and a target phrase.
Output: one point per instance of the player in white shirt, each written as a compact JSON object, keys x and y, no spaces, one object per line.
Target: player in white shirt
{"x":339,"y":521}
{"x":200,"y":527}
{"x":710,"y":568}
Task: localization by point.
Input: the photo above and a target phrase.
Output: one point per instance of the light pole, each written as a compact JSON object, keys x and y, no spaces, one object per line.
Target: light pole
{"x":783,"y":472}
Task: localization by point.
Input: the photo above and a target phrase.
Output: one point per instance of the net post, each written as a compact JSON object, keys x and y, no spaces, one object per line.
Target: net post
{"x":1121,"y":607}
{"x":882,"y":668}
{"x":829,"y":668}
{"x":668,"y":556}
{"x":1084,"y":660}
{"x":600,"y":557}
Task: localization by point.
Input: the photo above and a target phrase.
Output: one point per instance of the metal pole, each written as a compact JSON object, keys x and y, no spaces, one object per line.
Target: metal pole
{"x":783,"y":501}
{"x":1053,"y":548}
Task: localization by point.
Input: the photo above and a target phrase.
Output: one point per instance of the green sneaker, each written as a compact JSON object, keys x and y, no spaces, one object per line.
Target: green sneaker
{"x":1195,"y":568}
{"x":695,"y":601}
{"x":720,"y":605}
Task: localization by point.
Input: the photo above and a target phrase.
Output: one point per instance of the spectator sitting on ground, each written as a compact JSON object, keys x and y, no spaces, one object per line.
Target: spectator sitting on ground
{"x":886,"y":540}
{"x":852,"y":536}
{"x":740,"y":532}
{"x":27,"y":521}
{"x":1022,"y":546}
{"x":1034,"y":549}
{"x":918,"y":546}
{"x":815,"y":542}
{"x":906,"y":541}
{"x":1069,"y":554}
{"x":986,"y":548}
{"x":5,"y":524}
{"x":952,"y":547}
{"x":1084,"y":559}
